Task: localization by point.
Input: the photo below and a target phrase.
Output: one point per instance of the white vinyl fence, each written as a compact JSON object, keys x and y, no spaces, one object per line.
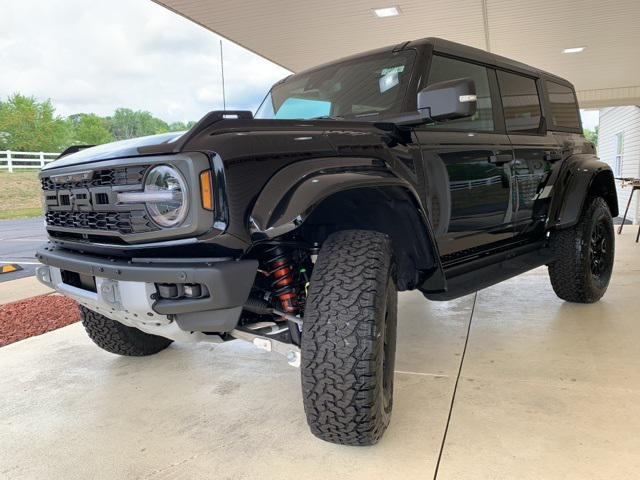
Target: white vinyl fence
{"x":21,"y":160}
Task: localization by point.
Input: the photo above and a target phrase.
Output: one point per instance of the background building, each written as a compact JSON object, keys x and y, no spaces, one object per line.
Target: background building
{"x":619,"y":146}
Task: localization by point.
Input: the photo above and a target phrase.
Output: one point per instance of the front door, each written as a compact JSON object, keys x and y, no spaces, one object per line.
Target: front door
{"x":467,"y":189}
{"x":466,"y":174}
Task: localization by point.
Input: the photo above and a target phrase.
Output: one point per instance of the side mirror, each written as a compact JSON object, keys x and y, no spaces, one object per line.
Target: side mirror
{"x":448,"y":100}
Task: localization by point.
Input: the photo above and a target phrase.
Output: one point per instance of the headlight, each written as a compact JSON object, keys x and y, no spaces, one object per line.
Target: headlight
{"x":166,"y":196}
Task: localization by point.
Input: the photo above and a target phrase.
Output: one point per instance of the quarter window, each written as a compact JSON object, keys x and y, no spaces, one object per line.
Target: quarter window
{"x":520,"y":102}
{"x":443,"y":69}
{"x":564,"y":108}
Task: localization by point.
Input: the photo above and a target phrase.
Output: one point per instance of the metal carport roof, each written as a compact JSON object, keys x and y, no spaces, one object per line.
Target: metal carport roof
{"x":300,"y":33}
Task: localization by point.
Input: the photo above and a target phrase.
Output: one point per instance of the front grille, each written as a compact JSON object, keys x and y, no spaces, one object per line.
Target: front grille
{"x":90,"y":204}
{"x":131,"y":175}
{"x":117,"y":222}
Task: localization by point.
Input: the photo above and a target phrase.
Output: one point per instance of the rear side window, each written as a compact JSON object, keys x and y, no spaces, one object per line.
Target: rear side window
{"x":442,"y":69}
{"x":564,"y":108}
{"x":520,"y":102}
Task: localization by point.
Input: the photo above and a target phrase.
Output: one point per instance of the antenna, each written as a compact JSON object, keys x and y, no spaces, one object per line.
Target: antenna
{"x":224,"y":98}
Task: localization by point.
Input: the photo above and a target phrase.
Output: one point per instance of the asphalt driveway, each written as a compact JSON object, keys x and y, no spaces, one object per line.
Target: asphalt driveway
{"x":18,"y":242}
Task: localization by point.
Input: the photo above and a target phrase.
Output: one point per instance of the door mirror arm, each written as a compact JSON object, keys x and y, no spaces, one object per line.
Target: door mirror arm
{"x":411,"y":119}
{"x":438,"y":102}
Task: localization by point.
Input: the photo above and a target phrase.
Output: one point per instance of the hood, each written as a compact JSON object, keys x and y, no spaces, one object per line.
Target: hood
{"x":270,"y":137}
{"x":157,"y":144}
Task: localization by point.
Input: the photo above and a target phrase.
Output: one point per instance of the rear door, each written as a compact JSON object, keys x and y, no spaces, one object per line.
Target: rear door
{"x":535,"y":149}
{"x":466,"y":174}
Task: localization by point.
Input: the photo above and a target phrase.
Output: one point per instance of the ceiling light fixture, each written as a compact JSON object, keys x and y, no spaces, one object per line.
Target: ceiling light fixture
{"x":573,"y":50}
{"x":387,"y":12}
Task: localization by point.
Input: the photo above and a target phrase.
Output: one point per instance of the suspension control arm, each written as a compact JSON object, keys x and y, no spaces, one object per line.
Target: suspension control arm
{"x":261,"y":308}
{"x":291,"y":352}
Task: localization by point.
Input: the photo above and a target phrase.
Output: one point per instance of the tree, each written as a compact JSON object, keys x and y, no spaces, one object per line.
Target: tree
{"x":127,"y":123}
{"x":89,"y":129}
{"x":180,"y":126}
{"x":29,"y":125}
{"x":592,"y":135}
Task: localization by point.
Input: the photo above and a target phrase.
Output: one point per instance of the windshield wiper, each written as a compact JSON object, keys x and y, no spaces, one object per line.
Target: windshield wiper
{"x":327,"y":117}
{"x":368,"y":114}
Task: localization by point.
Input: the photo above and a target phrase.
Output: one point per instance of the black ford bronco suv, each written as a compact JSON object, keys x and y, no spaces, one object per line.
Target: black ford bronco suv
{"x":427,"y":165}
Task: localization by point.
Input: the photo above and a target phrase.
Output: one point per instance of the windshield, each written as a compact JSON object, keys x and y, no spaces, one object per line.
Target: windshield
{"x":365,"y":86}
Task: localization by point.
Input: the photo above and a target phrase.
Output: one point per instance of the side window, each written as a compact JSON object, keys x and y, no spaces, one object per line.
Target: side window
{"x":442,"y":69}
{"x":520,"y":103}
{"x":564,"y":108}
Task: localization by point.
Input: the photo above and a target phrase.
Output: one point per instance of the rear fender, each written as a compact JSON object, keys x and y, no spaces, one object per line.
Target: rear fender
{"x":582,"y":175}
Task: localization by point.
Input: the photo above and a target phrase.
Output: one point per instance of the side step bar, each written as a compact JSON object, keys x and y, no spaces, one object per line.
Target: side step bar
{"x":466,"y":278}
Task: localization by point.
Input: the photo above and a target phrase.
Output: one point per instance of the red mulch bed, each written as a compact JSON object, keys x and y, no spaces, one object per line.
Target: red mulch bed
{"x":35,"y":316}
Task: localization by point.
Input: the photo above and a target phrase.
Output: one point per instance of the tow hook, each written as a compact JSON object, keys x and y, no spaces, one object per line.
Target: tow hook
{"x":290,"y":352}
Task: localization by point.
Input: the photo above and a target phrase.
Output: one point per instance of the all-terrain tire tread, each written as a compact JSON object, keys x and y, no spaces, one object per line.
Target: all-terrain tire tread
{"x":114,"y":337}
{"x":342,"y":342}
{"x":569,"y":273}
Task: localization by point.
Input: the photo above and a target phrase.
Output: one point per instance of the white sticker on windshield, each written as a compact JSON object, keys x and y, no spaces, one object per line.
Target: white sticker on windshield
{"x":398,"y":69}
{"x":388,"y":81}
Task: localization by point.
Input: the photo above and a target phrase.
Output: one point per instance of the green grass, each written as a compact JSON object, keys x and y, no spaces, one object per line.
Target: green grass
{"x":20,"y":195}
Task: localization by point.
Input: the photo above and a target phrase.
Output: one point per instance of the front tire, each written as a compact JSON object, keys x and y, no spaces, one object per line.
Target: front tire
{"x":584,"y":255}
{"x":114,"y":337}
{"x":349,"y":339}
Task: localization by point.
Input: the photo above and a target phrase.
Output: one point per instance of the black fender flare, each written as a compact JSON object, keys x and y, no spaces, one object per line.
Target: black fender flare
{"x":579,"y":176}
{"x":292,"y":195}
{"x":293,"y":192}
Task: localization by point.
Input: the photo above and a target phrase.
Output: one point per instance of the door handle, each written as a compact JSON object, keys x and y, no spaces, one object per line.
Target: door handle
{"x":552,"y":156}
{"x":500,"y":158}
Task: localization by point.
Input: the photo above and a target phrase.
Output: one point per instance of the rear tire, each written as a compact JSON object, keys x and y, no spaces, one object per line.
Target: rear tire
{"x":585,"y":255}
{"x":349,"y":339}
{"x":114,"y":337}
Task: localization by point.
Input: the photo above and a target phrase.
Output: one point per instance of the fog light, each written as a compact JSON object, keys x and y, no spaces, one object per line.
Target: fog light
{"x":177,"y":291}
{"x":168,"y":290}
{"x":192,"y":290}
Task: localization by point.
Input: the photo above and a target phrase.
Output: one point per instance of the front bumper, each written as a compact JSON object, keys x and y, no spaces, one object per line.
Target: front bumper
{"x":126,"y":290}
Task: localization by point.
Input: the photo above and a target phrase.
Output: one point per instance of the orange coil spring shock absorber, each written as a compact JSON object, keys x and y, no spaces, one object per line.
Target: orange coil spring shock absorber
{"x":280,"y":269}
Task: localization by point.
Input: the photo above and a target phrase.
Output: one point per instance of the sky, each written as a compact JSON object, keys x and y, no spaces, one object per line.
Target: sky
{"x":98,"y":55}
{"x":590,"y":119}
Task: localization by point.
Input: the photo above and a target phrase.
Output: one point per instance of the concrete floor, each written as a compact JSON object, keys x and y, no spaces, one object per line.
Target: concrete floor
{"x":547,"y":390}
{"x":21,"y":289}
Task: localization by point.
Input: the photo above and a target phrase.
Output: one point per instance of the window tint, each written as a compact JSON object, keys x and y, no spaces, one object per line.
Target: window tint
{"x":303,"y":108}
{"x":520,"y":102}
{"x":564,"y":108}
{"x":442,"y":69}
